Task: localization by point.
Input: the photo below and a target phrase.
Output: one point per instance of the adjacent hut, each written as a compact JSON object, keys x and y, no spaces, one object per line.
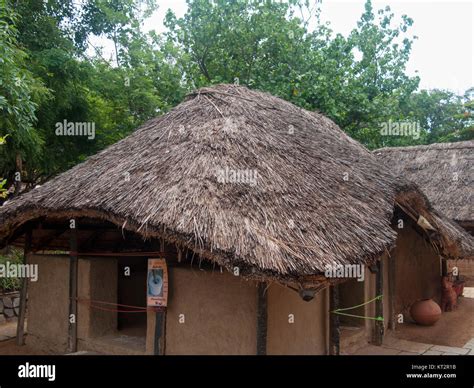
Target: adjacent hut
{"x":443,"y":171}
{"x":249,"y":200}
{"x":445,"y":174}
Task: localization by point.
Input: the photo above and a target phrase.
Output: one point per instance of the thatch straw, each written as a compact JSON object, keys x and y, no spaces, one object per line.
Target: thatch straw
{"x":320,"y":198}
{"x":443,"y":171}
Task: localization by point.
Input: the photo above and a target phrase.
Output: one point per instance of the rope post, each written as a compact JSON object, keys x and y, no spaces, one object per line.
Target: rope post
{"x":20,"y":328}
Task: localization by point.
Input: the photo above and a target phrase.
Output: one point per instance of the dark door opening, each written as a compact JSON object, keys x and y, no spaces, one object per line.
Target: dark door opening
{"x":132,"y":272}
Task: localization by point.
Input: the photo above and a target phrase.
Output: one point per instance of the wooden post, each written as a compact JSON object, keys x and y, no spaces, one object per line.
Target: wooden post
{"x":379,"y":325}
{"x":392,"y":290}
{"x":160,"y":332}
{"x":20,"y":328}
{"x":261,"y":319}
{"x":334,"y":330}
{"x":73,"y":264}
{"x":160,"y":322}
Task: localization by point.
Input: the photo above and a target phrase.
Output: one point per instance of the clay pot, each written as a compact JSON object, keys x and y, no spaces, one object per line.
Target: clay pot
{"x":425,"y":312}
{"x":459,"y":287}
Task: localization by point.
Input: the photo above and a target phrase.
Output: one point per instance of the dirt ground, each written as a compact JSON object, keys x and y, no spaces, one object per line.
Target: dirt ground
{"x":8,"y":346}
{"x":454,"y":328}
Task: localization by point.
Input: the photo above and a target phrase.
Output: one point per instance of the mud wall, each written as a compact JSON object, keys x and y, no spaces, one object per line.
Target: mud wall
{"x":219,"y":312}
{"x":417,"y":270}
{"x":48,"y":304}
{"x":296,"y":326}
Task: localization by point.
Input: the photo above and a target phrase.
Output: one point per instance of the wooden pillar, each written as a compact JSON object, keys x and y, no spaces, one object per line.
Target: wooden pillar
{"x":160,"y":332}
{"x":20,"y":328}
{"x":379,"y":327}
{"x":262,"y":317}
{"x":73,"y":265}
{"x":334,"y":330}
{"x":392,"y":291}
{"x":160,"y":321}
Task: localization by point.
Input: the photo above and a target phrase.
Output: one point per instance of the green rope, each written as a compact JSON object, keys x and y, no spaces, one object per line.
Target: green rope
{"x":338,"y":311}
{"x":360,"y":305}
{"x":359,"y":316}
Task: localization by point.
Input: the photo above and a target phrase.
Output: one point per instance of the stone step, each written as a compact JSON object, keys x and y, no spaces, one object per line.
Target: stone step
{"x":352,"y":338}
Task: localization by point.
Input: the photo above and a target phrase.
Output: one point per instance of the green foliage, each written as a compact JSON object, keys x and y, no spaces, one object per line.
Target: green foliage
{"x":20,"y":91}
{"x":377,"y":85}
{"x":14,"y":256}
{"x":116,"y":95}
{"x":3,"y":182}
{"x":222,"y":41}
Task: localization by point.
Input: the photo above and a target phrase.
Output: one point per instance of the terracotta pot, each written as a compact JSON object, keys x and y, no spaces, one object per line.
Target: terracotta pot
{"x":425,"y":312}
{"x":459,"y":287}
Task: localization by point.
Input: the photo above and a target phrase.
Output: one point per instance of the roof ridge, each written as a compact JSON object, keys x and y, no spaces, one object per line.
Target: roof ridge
{"x":437,"y":146}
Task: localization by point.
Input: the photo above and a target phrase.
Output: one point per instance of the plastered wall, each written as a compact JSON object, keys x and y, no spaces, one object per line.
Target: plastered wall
{"x":307,"y":334}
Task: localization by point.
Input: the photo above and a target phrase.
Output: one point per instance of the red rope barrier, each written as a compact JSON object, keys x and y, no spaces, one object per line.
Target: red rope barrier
{"x":139,"y":309}
{"x":110,"y":303}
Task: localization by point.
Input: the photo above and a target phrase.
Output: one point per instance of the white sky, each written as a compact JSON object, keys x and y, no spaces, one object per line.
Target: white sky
{"x":442,"y":54}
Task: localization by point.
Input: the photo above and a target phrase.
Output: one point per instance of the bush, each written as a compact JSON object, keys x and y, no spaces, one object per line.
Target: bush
{"x":14,"y":256}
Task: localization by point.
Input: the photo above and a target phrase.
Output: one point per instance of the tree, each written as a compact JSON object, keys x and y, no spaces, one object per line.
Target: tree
{"x":378,"y":84}
{"x":222,"y":41}
{"x":20,"y":92}
{"x":115,"y":95}
{"x":443,"y":115}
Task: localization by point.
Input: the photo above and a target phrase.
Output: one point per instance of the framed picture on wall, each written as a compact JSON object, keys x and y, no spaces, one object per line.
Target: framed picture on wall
{"x":157,"y":283}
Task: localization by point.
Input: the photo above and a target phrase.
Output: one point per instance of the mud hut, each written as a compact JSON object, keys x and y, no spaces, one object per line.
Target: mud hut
{"x":444,"y":172}
{"x":247,"y":200}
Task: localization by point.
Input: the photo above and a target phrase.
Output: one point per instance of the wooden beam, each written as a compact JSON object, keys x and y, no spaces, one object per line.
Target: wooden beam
{"x":91,"y":240}
{"x":85,"y":225}
{"x":379,"y":325}
{"x":334,"y":329}
{"x":262,"y":317}
{"x":73,"y":266}
{"x":47,"y":240}
{"x":128,"y":254}
{"x":20,"y":328}
{"x":20,"y":231}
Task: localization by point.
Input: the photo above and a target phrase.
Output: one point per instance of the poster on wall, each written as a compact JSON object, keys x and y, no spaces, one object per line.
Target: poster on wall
{"x":157,"y":283}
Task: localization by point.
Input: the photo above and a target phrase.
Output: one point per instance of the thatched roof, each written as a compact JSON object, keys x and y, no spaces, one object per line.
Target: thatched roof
{"x":319,"y":197}
{"x":443,"y":171}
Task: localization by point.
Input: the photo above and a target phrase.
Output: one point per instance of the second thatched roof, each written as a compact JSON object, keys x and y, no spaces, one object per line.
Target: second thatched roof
{"x":443,"y":171}
{"x":245,"y":179}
